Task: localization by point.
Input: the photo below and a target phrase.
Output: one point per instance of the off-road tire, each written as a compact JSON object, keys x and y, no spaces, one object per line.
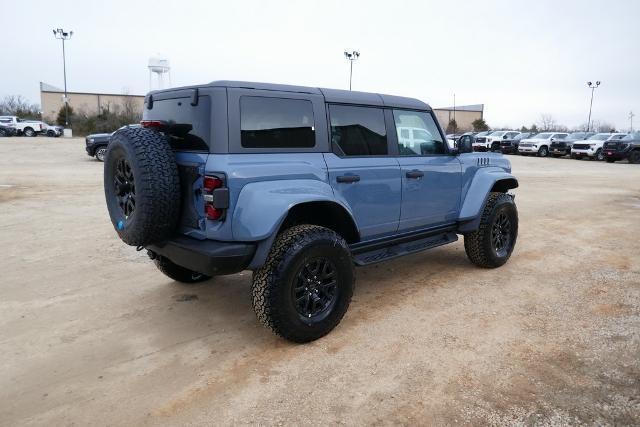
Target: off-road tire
{"x":272,"y":288}
{"x":495,"y":148}
{"x":178,"y":273}
{"x":543,"y":151}
{"x":478,"y":244}
{"x":29,"y":132}
{"x":156,"y":186}
{"x":634,"y":157}
{"x":609,"y":160}
{"x":100,"y":153}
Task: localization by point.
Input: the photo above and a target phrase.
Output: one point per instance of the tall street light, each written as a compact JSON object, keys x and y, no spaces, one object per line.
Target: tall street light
{"x":631,"y":116}
{"x":63,"y":35}
{"x":351,"y":56}
{"x":592,"y":87}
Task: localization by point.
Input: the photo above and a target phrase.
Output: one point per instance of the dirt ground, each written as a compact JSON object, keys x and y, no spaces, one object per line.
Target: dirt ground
{"x":92,"y":333}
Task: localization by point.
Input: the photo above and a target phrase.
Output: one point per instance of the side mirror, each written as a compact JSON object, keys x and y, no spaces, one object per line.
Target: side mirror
{"x":465,"y":144}
{"x":505,"y":137}
{"x":553,"y":140}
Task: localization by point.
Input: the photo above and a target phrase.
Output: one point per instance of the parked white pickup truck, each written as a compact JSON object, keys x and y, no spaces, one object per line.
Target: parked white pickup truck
{"x":23,"y":127}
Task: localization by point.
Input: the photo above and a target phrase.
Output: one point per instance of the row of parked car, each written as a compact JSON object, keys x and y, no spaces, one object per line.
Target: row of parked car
{"x":15,"y":126}
{"x":578,"y":145}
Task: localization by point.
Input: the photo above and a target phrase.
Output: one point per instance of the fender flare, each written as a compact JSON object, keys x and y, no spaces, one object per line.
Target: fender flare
{"x":262,"y":206}
{"x":476,"y":196}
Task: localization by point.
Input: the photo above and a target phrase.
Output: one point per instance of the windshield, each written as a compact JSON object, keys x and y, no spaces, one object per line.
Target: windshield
{"x":543,"y":136}
{"x":600,"y":136}
{"x":482,"y":134}
{"x":577,"y":135}
{"x":631,"y":136}
{"x":522,"y":135}
{"x":617,"y":137}
{"x":498,"y":133}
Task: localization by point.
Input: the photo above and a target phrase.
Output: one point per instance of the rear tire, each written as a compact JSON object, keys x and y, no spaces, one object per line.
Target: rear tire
{"x":599,"y":155}
{"x":634,"y":157}
{"x":305,"y":286}
{"x":178,"y":273}
{"x":29,"y":132}
{"x":610,"y":160}
{"x":492,"y":243}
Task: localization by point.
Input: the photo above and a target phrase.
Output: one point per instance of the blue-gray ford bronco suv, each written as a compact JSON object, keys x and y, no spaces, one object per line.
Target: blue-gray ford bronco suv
{"x":299,"y":184}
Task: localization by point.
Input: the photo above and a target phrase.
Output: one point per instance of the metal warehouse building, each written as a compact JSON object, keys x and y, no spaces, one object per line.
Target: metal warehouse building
{"x":51,"y":100}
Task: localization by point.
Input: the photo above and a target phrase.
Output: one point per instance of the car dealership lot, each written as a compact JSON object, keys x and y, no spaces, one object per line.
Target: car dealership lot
{"x":91,"y":332}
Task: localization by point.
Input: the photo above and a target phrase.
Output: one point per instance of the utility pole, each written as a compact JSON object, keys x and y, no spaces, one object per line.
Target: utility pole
{"x":63,"y":35}
{"x":631,"y":115}
{"x":592,"y":87}
{"x":351,"y":56}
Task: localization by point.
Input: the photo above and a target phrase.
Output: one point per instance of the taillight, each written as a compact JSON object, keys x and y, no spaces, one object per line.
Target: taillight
{"x":216,"y":197}
{"x":152,"y":124}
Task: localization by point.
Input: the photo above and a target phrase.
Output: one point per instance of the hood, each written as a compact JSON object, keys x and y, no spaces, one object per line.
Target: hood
{"x":99,"y":135}
{"x":534,"y":140}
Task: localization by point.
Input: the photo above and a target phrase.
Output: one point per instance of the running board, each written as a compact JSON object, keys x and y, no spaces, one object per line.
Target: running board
{"x":403,"y":248}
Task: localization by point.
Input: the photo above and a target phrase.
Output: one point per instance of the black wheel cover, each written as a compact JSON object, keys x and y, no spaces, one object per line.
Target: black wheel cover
{"x":141,"y":186}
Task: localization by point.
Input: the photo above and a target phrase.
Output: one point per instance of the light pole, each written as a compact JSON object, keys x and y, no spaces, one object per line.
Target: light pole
{"x":592,"y":87}
{"x":631,"y":115}
{"x":63,"y":35}
{"x":455,"y":130}
{"x":351,"y":56}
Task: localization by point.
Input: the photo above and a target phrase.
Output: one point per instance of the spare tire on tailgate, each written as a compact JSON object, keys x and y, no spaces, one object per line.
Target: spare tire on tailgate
{"x":142,"y":186}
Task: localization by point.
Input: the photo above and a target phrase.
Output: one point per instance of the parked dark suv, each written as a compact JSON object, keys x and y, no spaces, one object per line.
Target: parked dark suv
{"x":562,"y":147}
{"x":299,"y":184}
{"x":626,"y":148}
{"x":510,"y":145}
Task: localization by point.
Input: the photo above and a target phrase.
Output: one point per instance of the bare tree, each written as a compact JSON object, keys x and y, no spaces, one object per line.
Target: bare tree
{"x":547,"y":122}
{"x":16,"y":105}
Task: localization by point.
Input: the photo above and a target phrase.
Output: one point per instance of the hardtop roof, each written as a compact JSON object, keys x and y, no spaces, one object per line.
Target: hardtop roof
{"x":330,"y":95}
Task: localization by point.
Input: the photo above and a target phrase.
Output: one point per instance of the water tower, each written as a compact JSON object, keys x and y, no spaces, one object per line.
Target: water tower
{"x":159,"y":65}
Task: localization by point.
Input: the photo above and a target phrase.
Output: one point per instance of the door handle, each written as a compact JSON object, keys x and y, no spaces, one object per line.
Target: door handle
{"x":348,"y":178}
{"x":415,"y":174}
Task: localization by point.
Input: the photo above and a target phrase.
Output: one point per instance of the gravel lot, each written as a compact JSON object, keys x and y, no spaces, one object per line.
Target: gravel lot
{"x":92,"y":333}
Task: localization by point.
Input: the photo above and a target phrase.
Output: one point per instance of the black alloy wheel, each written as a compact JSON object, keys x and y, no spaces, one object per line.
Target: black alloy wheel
{"x":501,"y":236}
{"x":125,"y":189}
{"x":315,"y":289}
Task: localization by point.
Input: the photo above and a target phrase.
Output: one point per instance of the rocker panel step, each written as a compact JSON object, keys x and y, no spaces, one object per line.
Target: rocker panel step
{"x":406,"y":248}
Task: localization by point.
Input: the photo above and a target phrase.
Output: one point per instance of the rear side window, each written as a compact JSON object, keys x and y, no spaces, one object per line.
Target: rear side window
{"x":276,"y":123}
{"x":358,"y":131}
{"x":188,"y":127}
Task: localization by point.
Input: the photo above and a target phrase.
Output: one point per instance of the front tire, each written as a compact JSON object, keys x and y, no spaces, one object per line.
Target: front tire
{"x":179,"y":273}
{"x":305,"y":286}
{"x":492,"y":243}
{"x":599,"y":155}
{"x":100,"y":153}
{"x":543,"y":152}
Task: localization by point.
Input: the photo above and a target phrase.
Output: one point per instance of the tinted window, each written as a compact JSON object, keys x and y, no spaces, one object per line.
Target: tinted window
{"x":426,"y":136}
{"x":358,"y":131}
{"x":276,"y":123}
{"x":188,"y":126}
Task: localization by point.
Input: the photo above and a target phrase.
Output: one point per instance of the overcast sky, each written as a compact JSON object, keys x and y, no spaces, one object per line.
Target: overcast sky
{"x":519,"y":58}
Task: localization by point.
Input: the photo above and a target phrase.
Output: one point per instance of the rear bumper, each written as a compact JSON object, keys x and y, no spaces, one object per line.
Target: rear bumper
{"x":208,"y":257}
{"x":617,"y":155}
